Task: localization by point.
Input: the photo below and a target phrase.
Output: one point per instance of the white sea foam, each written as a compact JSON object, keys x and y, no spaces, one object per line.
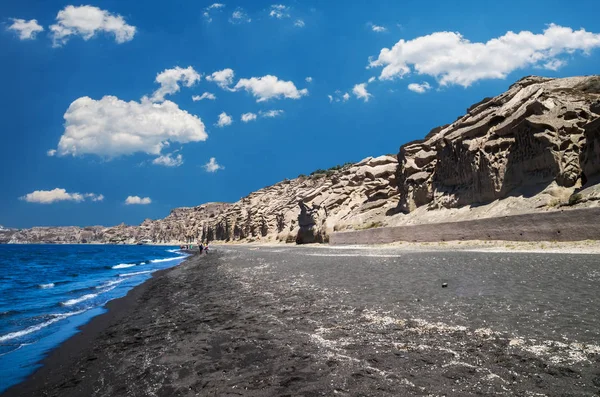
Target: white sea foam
{"x":44,"y":286}
{"x":168,"y":259}
{"x":86,"y":297}
{"x":135,"y":273}
{"x":123,"y":265}
{"x":110,"y":283}
{"x":175,"y":251}
{"x":34,"y":328}
{"x":75,"y":301}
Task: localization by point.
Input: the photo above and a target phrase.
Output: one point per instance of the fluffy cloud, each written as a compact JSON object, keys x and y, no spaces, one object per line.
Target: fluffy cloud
{"x":339,"y":97}
{"x":168,"y":160}
{"x":27,"y":30}
{"x":137,"y":200}
{"x":207,"y":10}
{"x":224,"y":120}
{"x":224,"y":78}
{"x":279,"y":11}
{"x":419,"y":88}
{"x":308,"y":79}
{"x":212,"y":165}
{"x":299,"y":23}
{"x":271,"y":113}
{"x":206,"y":95}
{"x":246,"y":117}
{"x":371,"y":79}
{"x":267,"y":87}
{"x":452,"y":59}
{"x":86,"y":21}
{"x":111,"y":127}
{"x":377,"y":28}
{"x":58,"y":194}
{"x":169,"y":81}
{"x":360,"y":91}
{"x":51,"y":152}
{"x":239,"y":16}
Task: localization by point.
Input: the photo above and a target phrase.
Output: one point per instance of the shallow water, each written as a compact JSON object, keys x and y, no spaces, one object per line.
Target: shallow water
{"x":47,"y":291}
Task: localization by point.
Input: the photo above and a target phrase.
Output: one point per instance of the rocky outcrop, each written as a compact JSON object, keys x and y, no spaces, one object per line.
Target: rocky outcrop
{"x":540,"y":132}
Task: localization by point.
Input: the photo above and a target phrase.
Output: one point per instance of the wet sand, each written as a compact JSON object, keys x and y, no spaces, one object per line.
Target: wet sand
{"x":287,"y":321}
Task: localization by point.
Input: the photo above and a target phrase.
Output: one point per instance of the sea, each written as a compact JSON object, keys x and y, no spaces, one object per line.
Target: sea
{"x":48,"y":291}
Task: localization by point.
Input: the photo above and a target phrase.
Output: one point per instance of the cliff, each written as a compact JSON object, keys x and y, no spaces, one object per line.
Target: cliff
{"x":541,"y":134}
{"x":534,"y":148}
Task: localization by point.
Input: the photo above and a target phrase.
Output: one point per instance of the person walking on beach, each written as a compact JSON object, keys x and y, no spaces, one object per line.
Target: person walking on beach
{"x":201,"y":248}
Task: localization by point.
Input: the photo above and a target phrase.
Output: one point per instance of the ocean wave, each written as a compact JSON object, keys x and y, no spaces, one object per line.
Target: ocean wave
{"x":37,"y":327}
{"x":109,"y":283}
{"x":75,"y":301}
{"x":135,"y":273}
{"x":168,"y":259}
{"x":175,"y":251}
{"x":9,"y":313}
{"x":123,"y":265}
{"x":45,"y":286}
{"x":87,"y":297}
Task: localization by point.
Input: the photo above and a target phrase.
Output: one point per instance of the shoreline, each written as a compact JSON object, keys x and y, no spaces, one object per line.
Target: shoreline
{"x":66,"y":352}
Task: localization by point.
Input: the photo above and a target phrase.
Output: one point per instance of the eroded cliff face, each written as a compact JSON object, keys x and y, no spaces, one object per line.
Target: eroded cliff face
{"x":307,"y":209}
{"x":541,"y":132}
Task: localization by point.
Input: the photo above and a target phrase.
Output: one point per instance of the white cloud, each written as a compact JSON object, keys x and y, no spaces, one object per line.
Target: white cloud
{"x":239,"y":16}
{"x":224,"y":120}
{"x":86,"y":21}
{"x":279,"y":11}
{"x":168,"y":160}
{"x":267,"y":87}
{"x":309,"y":79}
{"x":27,"y":30}
{"x":299,"y":23}
{"x":371,"y":79}
{"x":212,"y":165}
{"x":452,"y":59}
{"x":112,"y":127}
{"x":554,"y":64}
{"x":207,"y":10}
{"x":137,"y":200}
{"x":51,"y":152}
{"x":339,"y":97}
{"x":246,"y":117}
{"x":58,"y":194}
{"x":224,"y":78}
{"x":419,"y":88}
{"x":271,"y":113}
{"x":169,"y":81}
{"x":360,"y":91}
{"x":206,"y":95}
{"x":377,"y":28}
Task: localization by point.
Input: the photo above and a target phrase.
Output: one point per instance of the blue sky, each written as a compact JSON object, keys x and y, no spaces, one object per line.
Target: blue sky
{"x":76,"y":88}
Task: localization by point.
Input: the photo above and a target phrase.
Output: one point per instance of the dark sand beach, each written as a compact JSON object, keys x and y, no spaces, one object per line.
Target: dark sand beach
{"x":317,"y":321}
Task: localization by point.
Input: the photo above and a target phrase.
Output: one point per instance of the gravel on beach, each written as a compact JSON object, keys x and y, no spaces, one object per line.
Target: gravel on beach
{"x":307,"y":321}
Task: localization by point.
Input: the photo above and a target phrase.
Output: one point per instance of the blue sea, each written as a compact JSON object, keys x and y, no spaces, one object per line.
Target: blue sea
{"x":48,"y":291}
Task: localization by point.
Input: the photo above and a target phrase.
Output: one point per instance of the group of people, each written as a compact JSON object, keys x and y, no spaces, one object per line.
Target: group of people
{"x":203,"y":248}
